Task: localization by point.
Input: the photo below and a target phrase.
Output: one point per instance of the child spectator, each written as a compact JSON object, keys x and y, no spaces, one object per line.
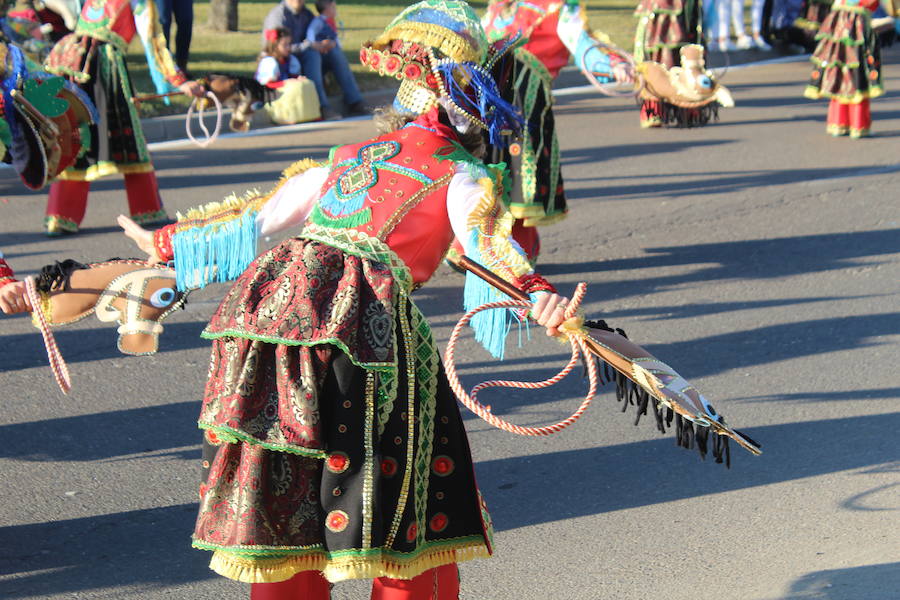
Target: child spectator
{"x":276,"y":63}
{"x":324,"y":27}
{"x":279,"y":69}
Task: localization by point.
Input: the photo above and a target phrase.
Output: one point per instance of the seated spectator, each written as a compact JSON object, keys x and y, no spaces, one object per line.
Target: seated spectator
{"x":324,"y":27}
{"x":277,"y":68}
{"x":316,"y":57}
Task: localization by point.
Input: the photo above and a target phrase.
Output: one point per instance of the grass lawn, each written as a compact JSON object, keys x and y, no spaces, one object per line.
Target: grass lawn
{"x":236,"y":52}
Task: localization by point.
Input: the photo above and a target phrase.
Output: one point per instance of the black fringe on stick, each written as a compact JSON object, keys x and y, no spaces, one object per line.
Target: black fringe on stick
{"x":676,"y":116}
{"x":688,"y":435}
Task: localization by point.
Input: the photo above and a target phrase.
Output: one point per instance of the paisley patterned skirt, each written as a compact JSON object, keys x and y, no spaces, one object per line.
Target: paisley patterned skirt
{"x":847,"y":60}
{"x":332,"y":439}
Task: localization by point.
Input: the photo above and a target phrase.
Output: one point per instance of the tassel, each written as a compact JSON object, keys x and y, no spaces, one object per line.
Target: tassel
{"x":481,"y":97}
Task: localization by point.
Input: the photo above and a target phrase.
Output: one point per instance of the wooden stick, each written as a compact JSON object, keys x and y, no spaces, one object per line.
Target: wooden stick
{"x":495,"y":280}
{"x":148,"y":97}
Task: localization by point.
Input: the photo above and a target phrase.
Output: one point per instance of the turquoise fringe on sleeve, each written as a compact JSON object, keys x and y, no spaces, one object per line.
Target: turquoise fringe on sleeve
{"x":491,"y":327}
{"x":214,"y":253}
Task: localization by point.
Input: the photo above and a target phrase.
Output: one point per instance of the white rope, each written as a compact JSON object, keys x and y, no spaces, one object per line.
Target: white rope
{"x":57,"y":364}
{"x":187,"y":121}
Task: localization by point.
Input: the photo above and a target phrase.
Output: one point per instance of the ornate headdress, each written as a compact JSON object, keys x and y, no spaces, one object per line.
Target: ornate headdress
{"x":438,"y":49}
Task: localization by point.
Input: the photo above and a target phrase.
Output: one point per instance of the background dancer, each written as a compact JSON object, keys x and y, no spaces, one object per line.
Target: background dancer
{"x":847,"y":67}
{"x":93,"y":56}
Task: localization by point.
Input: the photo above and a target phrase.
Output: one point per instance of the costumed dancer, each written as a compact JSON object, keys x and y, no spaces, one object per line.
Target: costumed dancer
{"x":93,"y":56}
{"x":552,"y":31}
{"x":333,"y":445}
{"x":847,"y":67}
{"x":664,"y":27}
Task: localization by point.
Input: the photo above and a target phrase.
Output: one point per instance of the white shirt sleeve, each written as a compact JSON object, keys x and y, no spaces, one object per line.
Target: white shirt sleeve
{"x":267,"y":71}
{"x":464,"y":196}
{"x":292,"y":202}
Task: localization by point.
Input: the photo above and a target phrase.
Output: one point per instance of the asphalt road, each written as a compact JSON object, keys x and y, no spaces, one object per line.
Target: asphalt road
{"x":758,"y":256}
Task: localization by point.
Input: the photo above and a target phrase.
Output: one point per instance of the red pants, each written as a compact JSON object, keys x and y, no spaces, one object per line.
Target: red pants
{"x":440,"y":583}
{"x":67,"y":201}
{"x":852,"y":119}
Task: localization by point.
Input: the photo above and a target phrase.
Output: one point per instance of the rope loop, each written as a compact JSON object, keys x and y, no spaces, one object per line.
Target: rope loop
{"x":200,"y":108}
{"x":611,"y":89}
{"x":579,"y":351}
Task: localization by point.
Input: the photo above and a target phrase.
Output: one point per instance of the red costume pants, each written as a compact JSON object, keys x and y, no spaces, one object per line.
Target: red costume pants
{"x":67,"y":202}
{"x":440,"y":583}
{"x":853,"y":119}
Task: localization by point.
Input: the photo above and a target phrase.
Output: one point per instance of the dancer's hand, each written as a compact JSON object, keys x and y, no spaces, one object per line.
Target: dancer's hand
{"x":623,"y":72}
{"x":192,"y":88}
{"x":142,"y":237}
{"x":13,"y":298}
{"x":549,"y":311}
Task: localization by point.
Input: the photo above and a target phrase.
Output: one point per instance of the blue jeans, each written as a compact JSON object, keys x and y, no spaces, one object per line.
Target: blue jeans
{"x":315,"y":64}
{"x":184,"y":20}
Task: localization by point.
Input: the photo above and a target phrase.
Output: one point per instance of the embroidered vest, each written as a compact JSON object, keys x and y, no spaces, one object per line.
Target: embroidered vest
{"x":394,"y":188}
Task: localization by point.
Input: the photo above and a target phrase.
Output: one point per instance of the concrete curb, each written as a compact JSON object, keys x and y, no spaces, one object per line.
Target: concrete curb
{"x":570,"y":79}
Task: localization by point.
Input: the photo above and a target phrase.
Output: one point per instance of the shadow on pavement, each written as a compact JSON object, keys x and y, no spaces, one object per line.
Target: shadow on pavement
{"x":164,"y":430}
{"x":135,"y":548}
{"x":86,"y":345}
{"x":525,"y":490}
{"x":869,"y":582}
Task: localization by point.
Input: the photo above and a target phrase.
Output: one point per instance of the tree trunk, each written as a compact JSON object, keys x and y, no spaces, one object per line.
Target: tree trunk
{"x":223,"y":15}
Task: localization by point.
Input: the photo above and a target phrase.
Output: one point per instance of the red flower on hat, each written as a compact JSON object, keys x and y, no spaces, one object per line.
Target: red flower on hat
{"x":271,"y":35}
{"x":431,"y":81}
{"x":391,"y":65}
{"x":412,"y":71}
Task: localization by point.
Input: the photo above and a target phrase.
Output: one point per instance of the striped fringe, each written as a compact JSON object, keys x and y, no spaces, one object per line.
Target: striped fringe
{"x":340,"y":568}
{"x":216,"y":242}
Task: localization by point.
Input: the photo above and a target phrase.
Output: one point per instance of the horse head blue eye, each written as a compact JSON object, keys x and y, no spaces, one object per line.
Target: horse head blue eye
{"x":162,"y":297}
{"x":705,"y":82}
{"x":257,"y":106}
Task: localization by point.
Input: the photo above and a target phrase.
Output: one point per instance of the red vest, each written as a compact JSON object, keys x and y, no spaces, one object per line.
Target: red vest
{"x":394,"y":188}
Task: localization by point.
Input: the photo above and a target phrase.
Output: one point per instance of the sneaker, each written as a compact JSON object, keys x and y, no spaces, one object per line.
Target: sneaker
{"x":357,"y":109}
{"x":761,"y":44}
{"x":744,"y":43}
{"x":329,"y":114}
{"x":726,"y":45}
